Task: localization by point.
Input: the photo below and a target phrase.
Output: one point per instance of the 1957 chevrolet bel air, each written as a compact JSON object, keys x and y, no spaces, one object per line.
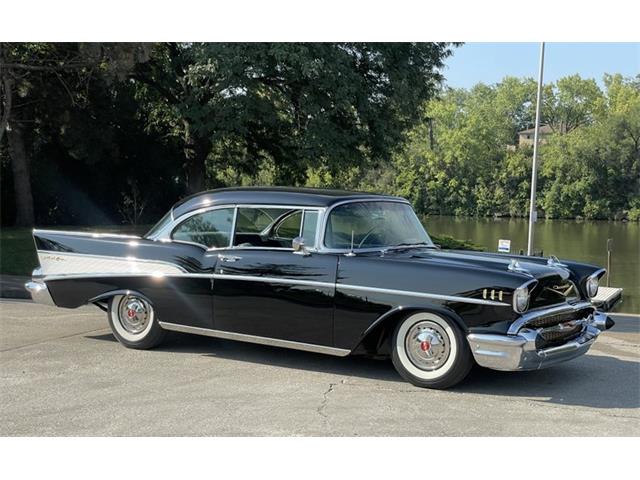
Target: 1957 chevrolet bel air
{"x":325,"y":271}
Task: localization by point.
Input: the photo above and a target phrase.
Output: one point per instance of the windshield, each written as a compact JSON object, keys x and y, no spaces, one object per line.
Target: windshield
{"x":373,"y":225}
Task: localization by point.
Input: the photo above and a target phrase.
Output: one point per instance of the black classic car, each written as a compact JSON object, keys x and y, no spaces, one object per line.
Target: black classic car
{"x":325,"y":271}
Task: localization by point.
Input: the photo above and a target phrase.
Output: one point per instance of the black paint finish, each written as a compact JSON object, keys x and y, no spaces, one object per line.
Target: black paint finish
{"x":301,"y":313}
{"x":326,"y":314}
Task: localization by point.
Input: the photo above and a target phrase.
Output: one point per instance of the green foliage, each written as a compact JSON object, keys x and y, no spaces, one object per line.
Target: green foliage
{"x":291,"y":106}
{"x":463,"y":159}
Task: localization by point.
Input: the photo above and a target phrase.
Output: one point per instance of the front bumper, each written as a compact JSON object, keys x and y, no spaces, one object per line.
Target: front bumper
{"x":520,"y":351}
{"x":39,"y":292}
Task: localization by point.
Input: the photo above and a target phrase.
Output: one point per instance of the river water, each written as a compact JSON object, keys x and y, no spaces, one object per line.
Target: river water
{"x":584,"y":241}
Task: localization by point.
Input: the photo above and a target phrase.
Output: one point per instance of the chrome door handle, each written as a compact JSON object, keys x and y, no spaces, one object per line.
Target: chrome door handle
{"x":228,"y":258}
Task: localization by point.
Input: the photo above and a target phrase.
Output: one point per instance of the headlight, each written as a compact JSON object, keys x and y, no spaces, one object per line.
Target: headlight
{"x":520,"y":299}
{"x":592,"y":286}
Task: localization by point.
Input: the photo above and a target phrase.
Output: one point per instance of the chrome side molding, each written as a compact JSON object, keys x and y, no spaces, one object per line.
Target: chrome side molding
{"x":242,"y":337}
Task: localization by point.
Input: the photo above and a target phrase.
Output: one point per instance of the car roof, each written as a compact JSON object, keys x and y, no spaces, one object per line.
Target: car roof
{"x":303,"y":197}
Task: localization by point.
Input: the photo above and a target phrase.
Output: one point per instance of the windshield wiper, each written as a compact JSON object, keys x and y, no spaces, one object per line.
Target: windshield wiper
{"x":407,"y":246}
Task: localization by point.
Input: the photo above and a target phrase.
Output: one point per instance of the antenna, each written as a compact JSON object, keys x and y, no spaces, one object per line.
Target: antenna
{"x":351,"y":253}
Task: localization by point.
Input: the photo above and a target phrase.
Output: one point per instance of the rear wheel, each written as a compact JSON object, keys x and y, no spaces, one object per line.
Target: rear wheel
{"x":133,"y":323}
{"x":430,"y":351}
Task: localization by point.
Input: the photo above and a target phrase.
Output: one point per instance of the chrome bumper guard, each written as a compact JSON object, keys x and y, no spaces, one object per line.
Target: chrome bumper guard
{"x":39,"y":292}
{"x":518,"y":351}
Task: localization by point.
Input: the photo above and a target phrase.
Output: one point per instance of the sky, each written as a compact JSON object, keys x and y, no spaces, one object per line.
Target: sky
{"x":490,"y":62}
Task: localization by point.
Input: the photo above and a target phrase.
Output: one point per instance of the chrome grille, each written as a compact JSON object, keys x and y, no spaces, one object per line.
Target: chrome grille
{"x":555,"y":319}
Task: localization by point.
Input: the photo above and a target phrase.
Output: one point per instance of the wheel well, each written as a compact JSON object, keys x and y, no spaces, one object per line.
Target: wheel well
{"x":376,"y":340}
{"x":102,"y":301}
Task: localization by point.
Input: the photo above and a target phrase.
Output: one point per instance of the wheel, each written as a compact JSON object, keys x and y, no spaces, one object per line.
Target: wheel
{"x":133,"y":322}
{"x":430,"y":351}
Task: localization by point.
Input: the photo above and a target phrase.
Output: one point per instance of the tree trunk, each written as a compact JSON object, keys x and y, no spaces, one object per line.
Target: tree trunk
{"x":21,"y":176}
{"x":195,"y":152}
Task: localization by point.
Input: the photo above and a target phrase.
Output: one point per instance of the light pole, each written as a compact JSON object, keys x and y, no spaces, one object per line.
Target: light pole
{"x":533,"y":215}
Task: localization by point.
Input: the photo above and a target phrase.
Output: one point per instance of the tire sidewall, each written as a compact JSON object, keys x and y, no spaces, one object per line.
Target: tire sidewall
{"x":455,"y":368}
{"x":148,"y":338}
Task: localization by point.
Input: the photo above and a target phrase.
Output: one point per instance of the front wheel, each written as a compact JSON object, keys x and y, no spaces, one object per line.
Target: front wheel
{"x":133,"y":323}
{"x":430,"y":351}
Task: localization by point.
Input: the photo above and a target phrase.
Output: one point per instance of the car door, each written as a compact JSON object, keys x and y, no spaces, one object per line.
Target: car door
{"x":262,"y":288}
{"x":186,"y":299}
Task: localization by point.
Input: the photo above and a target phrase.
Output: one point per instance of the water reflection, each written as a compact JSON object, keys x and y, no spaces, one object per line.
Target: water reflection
{"x":572,"y":239}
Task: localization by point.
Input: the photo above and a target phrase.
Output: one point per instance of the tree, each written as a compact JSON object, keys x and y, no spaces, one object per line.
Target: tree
{"x":294,"y":105}
{"x":38,"y":80}
{"x":570,"y":103}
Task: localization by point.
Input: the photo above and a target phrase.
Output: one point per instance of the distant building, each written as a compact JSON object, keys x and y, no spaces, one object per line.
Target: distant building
{"x":525,"y":137}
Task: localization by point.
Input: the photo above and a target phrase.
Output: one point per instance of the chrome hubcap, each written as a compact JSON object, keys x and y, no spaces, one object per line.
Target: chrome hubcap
{"x":134,"y":314}
{"x":427,"y":345}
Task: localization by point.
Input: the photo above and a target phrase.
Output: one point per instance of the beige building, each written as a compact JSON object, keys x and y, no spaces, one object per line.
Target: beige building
{"x":525,"y":137}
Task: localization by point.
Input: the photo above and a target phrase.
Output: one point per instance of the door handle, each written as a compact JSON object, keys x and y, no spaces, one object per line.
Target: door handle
{"x":228,"y":258}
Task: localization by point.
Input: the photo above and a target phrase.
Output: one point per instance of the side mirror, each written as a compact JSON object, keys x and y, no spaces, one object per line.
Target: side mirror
{"x":299,"y":247}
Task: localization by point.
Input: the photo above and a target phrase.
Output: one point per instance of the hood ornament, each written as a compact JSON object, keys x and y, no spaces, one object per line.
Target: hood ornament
{"x":554,"y":262}
{"x":514,"y":266}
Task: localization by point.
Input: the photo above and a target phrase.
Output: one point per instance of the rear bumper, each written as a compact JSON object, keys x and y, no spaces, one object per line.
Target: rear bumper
{"x":519,"y":351}
{"x":39,"y":292}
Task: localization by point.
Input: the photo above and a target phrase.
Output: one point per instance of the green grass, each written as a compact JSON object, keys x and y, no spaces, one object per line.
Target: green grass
{"x":17,"y":251}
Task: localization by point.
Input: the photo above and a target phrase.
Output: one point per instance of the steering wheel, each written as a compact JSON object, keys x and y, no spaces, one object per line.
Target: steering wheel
{"x":368,"y":234}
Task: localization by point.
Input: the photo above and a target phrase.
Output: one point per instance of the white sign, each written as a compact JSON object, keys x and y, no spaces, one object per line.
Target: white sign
{"x":504,"y":246}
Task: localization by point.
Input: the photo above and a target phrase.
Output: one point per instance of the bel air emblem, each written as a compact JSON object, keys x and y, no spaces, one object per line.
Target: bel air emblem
{"x":53,"y":258}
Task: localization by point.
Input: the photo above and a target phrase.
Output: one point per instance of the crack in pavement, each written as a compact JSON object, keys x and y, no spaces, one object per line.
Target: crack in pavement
{"x":325,"y":398}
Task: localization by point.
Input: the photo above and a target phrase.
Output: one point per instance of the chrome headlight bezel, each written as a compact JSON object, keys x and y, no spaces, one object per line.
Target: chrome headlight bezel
{"x":521,"y":297}
{"x":591,"y":286}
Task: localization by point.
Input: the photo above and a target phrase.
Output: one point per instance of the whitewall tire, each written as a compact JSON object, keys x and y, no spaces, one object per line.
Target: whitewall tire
{"x":133,"y":322}
{"x":429,"y":350}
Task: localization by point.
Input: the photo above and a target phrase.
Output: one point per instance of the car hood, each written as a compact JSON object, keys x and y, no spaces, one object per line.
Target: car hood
{"x":527,"y":267}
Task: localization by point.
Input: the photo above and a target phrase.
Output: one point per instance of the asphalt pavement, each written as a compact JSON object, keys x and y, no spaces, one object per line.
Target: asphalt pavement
{"x":63,"y":373}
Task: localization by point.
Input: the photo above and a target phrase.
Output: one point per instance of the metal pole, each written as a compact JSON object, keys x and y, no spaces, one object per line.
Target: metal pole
{"x":609,"y":248}
{"x":533,"y":217}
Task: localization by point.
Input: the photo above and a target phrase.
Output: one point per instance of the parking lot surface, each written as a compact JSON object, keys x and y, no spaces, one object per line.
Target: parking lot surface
{"x":63,"y":373}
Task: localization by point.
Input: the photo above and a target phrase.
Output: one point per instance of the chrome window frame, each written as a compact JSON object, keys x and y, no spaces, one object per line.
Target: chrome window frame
{"x":165,"y":234}
{"x":327,"y":213}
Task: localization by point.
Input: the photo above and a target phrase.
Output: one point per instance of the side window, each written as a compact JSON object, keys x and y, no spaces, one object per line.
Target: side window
{"x":289,"y":228}
{"x":212,"y":228}
{"x":309,"y":227}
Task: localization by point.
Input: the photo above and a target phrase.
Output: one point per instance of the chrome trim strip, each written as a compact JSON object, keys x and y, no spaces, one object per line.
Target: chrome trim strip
{"x":155,"y":275}
{"x":84,"y":234}
{"x":242,"y":337}
{"x":434,"y":296}
{"x":287,"y":281}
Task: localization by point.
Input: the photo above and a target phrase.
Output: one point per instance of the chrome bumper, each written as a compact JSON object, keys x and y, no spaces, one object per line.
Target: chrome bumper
{"x":519,"y":352}
{"x":39,"y":292}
